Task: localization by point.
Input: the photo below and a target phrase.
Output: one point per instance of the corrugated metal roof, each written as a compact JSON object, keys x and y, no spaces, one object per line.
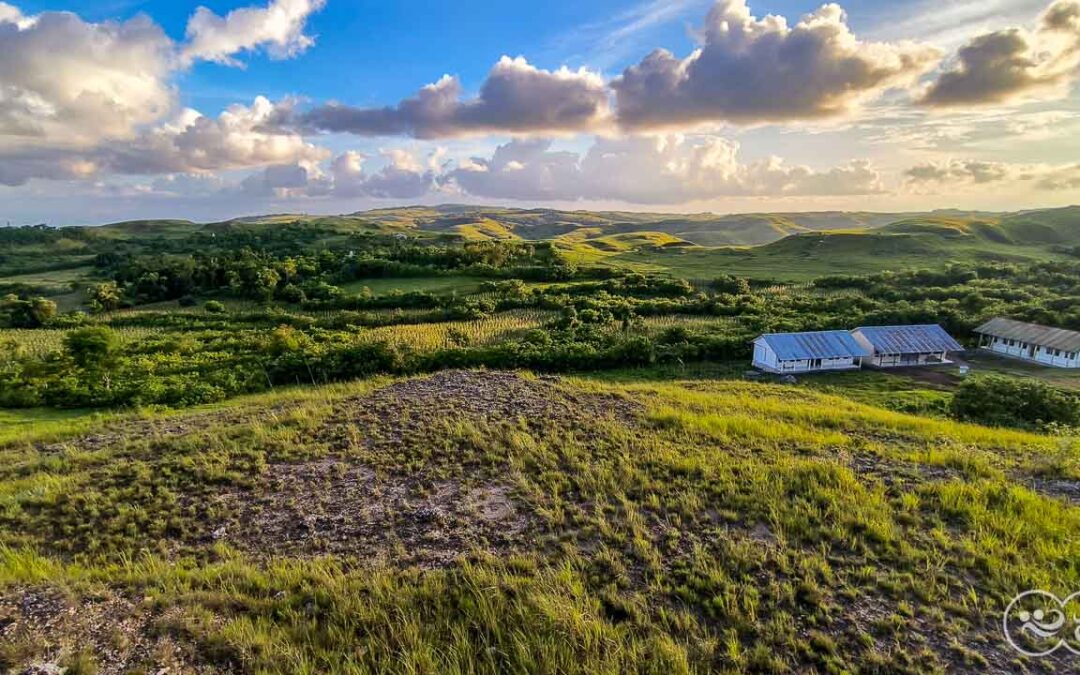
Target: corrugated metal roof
{"x":1032,"y":333}
{"x":826,"y":344}
{"x":925,"y":339}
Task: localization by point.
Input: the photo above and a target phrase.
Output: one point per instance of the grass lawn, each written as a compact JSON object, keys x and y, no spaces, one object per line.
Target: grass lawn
{"x":985,"y":362}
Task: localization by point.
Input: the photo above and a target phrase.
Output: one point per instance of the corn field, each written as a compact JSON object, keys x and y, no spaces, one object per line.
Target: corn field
{"x":481,"y":332}
{"x":42,"y":341}
{"x":692,"y":321}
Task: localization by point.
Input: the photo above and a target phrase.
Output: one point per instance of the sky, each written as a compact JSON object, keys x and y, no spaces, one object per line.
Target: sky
{"x":127,"y":109}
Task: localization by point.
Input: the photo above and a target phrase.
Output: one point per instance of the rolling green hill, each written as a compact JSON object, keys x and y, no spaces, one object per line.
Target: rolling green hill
{"x":781,"y":246}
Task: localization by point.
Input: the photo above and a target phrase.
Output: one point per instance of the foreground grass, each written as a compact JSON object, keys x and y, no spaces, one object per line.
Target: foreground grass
{"x":722,"y":526}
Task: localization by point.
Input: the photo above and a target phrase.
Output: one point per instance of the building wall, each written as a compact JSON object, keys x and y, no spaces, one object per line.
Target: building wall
{"x":904,"y":360}
{"x":765,"y":359}
{"x":1043,"y":355}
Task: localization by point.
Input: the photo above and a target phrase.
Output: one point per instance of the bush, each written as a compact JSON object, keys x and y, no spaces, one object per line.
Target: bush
{"x":214,"y":307}
{"x":1014,"y":402}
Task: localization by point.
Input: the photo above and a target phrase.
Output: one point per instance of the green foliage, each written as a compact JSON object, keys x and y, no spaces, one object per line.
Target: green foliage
{"x":33,"y":313}
{"x":1015,"y":402}
{"x":93,"y":347}
{"x":105,"y":297}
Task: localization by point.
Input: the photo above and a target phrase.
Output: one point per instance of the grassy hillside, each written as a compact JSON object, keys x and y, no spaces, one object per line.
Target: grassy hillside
{"x":910,"y":243}
{"x":498,"y":522}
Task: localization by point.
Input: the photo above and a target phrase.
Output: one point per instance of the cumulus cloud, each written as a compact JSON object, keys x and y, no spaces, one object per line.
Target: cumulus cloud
{"x":762,"y":70}
{"x":190,"y":143}
{"x":402,"y":176}
{"x":516,"y":97}
{"x":278,"y":28}
{"x":967,"y":173}
{"x":241,"y":136}
{"x":648,"y":169}
{"x":65,"y":81}
{"x":1014,"y":64}
{"x":80,"y":98}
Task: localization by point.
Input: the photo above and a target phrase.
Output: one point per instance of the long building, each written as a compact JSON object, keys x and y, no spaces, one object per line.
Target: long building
{"x":808,"y":352}
{"x":1055,"y":347}
{"x":903,"y":346}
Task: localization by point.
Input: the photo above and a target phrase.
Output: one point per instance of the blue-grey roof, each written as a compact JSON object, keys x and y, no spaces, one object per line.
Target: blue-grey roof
{"x":907,"y":339}
{"x":825,"y":344}
{"x":1032,"y":333}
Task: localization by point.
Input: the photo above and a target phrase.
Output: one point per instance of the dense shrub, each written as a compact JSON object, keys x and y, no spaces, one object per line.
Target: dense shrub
{"x":1014,"y":402}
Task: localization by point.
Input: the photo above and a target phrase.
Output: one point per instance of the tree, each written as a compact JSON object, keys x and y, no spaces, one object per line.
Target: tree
{"x":33,"y":313}
{"x":105,"y":297}
{"x":92,"y":348}
{"x":266,"y":282}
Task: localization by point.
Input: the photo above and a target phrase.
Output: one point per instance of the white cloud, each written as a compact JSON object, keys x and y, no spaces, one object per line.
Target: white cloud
{"x":1014,"y":64}
{"x":241,"y":136}
{"x":516,"y":97}
{"x":278,"y":28}
{"x":650,"y":170}
{"x":752,"y":70}
{"x":67,"y":82}
{"x":78,"y":98}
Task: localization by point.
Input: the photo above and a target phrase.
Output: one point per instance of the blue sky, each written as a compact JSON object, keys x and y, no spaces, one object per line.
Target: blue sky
{"x":207,"y":110}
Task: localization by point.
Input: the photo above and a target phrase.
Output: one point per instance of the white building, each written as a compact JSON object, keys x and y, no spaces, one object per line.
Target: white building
{"x":903,"y":346}
{"x":808,"y":352}
{"x":1031,"y":342}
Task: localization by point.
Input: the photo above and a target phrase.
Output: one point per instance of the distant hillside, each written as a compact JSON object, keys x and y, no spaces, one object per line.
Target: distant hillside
{"x":703,"y":229}
{"x":782,"y":246}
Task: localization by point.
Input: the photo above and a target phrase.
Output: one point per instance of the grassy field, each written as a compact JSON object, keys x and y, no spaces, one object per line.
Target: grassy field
{"x":497,"y":522}
{"x":462,"y":285}
{"x":804,"y":257}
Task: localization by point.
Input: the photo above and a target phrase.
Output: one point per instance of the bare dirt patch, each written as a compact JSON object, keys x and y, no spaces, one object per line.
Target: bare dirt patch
{"x":424,"y":515}
{"x":477,"y":396}
{"x":42,"y":628}
{"x":333,"y":507}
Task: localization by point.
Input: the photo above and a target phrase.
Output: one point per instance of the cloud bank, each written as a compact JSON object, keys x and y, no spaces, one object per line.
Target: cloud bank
{"x":516,"y":97}
{"x":966,"y":173}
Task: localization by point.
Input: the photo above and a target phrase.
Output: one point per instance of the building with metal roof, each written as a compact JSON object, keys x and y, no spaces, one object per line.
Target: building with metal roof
{"x":1055,"y":347}
{"x":808,"y":352}
{"x":900,"y":346}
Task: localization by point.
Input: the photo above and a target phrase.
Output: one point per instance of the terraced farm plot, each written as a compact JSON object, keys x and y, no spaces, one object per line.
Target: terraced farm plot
{"x":430,"y":336}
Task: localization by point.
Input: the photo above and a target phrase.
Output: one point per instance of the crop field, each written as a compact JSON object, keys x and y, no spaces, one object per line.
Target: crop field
{"x":481,"y":332}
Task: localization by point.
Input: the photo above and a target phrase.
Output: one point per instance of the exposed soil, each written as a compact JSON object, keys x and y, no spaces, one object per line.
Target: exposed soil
{"x":396,"y":412}
{"x":335,"y":507}
{"x":123,"y":635}
{"x":339,"y":506}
